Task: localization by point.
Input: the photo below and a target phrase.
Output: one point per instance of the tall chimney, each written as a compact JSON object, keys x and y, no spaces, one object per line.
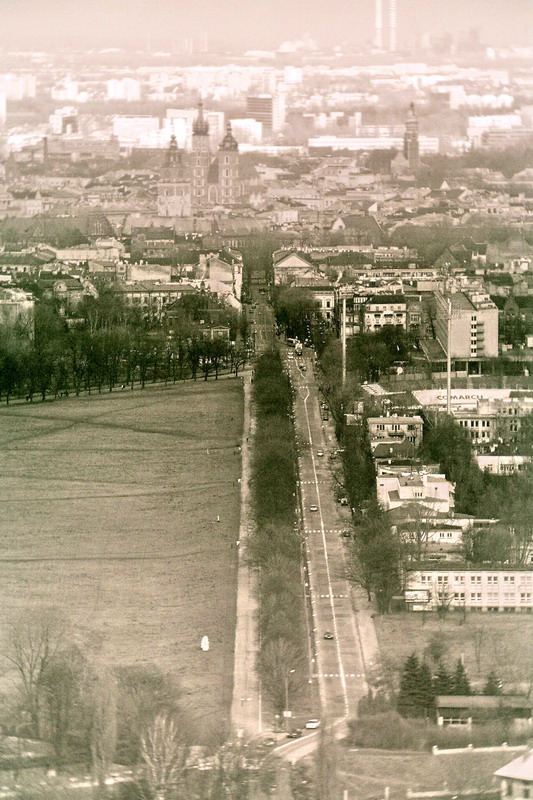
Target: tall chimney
{"x":392,"y":26}
{"x":379,"y":24}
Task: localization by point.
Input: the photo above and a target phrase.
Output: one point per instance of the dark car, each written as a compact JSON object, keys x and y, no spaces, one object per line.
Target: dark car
{"x":328,"y":635}
{"x":294,"y":733}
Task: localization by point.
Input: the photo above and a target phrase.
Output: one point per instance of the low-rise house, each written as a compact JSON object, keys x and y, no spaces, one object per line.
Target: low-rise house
{"x":288,"y":266}
{"x":467,"y":710}
{"x":17,"y":308}
{"x":396,"y":428}
{"x":516,"y":777}
{"x":432,"y":491}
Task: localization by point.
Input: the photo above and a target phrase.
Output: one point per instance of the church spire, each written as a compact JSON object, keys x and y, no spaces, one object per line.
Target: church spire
{"x":229,"y":142}
{"x":201,"y":125}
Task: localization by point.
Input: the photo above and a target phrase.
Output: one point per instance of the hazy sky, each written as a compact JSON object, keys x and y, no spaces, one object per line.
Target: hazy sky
{"x":252,"y":23}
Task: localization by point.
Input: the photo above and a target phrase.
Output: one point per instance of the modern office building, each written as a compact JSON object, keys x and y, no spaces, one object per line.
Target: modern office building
{"x":473,"y":328}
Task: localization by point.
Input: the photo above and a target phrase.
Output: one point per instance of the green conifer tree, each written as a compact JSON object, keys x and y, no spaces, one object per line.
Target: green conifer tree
{"x":460,"y":682}
{"x":493,"y":684}
{"x":409,"y":702}
{"x":442,"y":681}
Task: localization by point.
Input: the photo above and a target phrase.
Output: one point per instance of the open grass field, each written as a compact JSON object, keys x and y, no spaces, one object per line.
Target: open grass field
{"x":500,"y":642}
{"x":109,"y":511}
{"x":366,"y":773}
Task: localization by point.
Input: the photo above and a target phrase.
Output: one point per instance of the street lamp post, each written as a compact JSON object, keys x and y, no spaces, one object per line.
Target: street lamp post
{"x":287,"y":678}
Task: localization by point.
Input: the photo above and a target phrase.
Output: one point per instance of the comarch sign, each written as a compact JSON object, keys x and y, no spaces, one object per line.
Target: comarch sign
{"x":460,"y":397}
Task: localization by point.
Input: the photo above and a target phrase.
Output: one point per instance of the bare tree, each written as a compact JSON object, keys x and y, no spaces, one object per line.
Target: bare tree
{"x":282,"y":672}
{"x":62,"y":684}
{"x":326,"y":765}
{"x":102,"y":702}
{"x":34,"y":639}
{"x":478,"y":641}
{"x":164,"y":754}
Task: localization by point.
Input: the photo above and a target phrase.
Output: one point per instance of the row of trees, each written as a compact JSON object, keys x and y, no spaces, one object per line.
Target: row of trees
{"x":110,"y":345}
{"x":419,"y":687}
{"x":275,"y":546}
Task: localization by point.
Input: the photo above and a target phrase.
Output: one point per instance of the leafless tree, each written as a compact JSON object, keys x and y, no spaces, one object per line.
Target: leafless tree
{"x":34,"y":639}
{"x":478,"y":641}
{"x":62,"y":683}
{"x":326,"y":764}
{"x":101,"y":688}
{"x":164,"y":754}
{"x":282,"y":672}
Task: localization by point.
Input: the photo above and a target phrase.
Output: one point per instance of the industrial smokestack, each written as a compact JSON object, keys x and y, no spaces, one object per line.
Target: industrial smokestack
{"x":379,"y":25}
{"x":392,"y":26}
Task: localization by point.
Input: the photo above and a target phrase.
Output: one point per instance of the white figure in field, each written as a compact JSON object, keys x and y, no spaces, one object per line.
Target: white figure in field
{"x":204,"y":644}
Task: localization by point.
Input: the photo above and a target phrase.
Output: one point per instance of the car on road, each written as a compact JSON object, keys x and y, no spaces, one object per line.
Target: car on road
{"x":313,"y":508}
{"x":268,"y":742}
{"x":320,"y":453}
{"x":294,"y":733}
{"x":328,"y":635}
{"x":312,"y":723}
{"x":346,"y":534}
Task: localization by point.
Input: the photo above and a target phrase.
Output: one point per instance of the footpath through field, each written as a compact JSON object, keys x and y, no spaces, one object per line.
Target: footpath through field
{"x":246,"y":710}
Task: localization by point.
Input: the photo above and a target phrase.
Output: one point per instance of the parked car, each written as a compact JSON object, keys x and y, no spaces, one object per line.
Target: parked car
{"x":320,"y":453}
{"x":328,"y":635}
{"x":313,"y":508}
{"x":268,"y":742}
{"x":312,"y":723}
{"x":343,"y":501}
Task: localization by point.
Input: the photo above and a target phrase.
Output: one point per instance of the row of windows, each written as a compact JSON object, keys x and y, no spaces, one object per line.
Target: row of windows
{"x":491,"y":597}
{"x":476,"y":579}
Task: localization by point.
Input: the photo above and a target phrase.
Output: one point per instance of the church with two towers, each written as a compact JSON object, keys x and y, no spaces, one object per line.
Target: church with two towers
{"x":199,"y":180}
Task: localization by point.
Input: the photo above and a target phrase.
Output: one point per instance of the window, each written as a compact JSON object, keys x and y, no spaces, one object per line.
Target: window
{"x":475,"y":579}
{"x":459,"y":596}
{"x":492,"y":597}
{"x":475,"y":597}
{"x":492,"y":579}
{"x":508,"y":597}
{"x":459,"y":579}
{"x":525,"y":597}
{"x":442,"y":579}
{"x":508,"y":578}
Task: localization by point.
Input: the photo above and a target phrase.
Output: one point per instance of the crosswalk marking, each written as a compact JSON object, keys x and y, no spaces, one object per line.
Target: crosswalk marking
{"x":337,"y":675}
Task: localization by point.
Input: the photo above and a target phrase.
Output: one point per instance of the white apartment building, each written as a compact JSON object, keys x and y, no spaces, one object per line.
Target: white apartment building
{"x":474,"y":324}
{"x":385,"y":310}
{"x":476,"y":588}
{"x":430,"y":491}
{"x":396,"y":427}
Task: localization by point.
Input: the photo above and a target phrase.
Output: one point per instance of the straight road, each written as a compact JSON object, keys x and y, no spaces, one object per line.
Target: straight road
{"x":339,"y":664}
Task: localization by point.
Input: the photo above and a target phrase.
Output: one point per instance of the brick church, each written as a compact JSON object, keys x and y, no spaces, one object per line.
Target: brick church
{"x":197,"y":180}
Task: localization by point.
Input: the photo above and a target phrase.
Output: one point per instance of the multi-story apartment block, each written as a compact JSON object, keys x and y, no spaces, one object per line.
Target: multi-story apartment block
{"x":396,"y":428}
{"x":474,"y":325}
{"x":381,"y":310}
{"x":459,"y":587}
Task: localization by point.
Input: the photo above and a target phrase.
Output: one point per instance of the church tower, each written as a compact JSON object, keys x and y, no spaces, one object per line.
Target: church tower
{"x":200,"y":158}
{"x":411,"y":149}
{"x":229,"y":183}
{"x":174,"y":186}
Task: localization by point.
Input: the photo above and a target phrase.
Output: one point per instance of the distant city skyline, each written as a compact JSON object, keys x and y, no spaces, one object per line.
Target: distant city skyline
{"x":35,"y":24}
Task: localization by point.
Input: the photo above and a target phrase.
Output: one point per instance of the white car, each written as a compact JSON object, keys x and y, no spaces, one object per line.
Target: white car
{"x":313,"y":508}
{"x":312,"y":723}
{"x":320,"y":453}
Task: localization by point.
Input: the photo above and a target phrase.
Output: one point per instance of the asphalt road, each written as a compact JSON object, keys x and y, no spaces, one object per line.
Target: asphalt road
{"x":339,"y":665}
